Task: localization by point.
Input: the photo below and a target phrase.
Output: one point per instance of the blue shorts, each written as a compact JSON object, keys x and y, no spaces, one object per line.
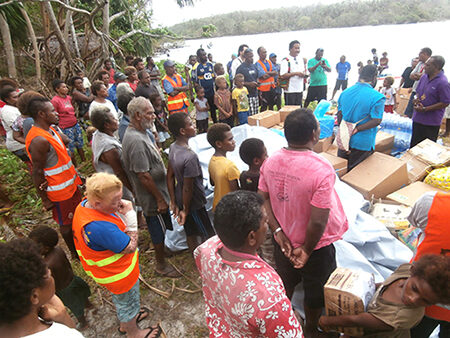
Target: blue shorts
{"x":243,"y":117}
{"x":127,"y":304}
{"x":157,"y":226}
{"x":75,"y":135}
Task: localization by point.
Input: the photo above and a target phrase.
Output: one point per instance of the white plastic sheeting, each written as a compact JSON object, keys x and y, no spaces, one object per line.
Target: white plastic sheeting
{"x":367,"y":245}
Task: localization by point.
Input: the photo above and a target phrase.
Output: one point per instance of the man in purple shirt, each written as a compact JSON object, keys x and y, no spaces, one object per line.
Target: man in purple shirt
{"x":432,"y":97}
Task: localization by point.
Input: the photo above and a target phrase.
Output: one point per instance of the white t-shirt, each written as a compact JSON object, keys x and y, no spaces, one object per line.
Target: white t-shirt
{"x":297,"y":65}
{"x":389,"y":94}
{"x":9,"y":114}
{"x":57,"y":330}
{"x":109,"y":104}
{"x":234,"y":66}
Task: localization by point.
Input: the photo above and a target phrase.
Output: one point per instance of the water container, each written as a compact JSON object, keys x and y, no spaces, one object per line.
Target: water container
{"x":322,"y":108}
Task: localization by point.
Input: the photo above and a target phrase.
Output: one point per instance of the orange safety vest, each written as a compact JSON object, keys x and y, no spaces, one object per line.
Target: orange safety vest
{"x":62,"y":178}
{"x":267,"y":84}
{"x":176,"y":102}
{"x":437,"y":241}
{"x":117,"y":272}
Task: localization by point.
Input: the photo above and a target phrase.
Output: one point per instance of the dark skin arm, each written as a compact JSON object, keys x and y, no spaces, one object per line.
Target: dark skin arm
{"x":112,"y":158}
{"x":422,"y":109}
{"x":372,"y":123}
{"x":78,"y":96}
{"x":39,"y":148}
{"x":18,"y":136}
{"x":364,"y":320}
{"x":171,"y":188}
{"x":188,"y":191}
{"x":234,"y":185}
{"x":147,"y":181}
{"x":314,"y":231}
{"x":322,"y":64}
{"x":178,"y":90}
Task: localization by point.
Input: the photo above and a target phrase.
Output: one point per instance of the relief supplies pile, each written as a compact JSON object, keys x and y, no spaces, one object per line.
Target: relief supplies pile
{"x":367,"y":245}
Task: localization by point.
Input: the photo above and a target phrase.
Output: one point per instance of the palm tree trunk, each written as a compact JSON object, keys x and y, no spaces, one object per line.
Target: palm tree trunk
{"x":8,"y":46}
{"x":33,"y":40}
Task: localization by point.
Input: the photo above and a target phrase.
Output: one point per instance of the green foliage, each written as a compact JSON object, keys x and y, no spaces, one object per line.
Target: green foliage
{"x":16,"y":22}
{"x":345,"y":14}
{"x":208,"y":30}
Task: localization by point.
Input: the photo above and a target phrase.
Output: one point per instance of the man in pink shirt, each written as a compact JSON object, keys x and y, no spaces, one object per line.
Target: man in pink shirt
{"x":305,"y":213}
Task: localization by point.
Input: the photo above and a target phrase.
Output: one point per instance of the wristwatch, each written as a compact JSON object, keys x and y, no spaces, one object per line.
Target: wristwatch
{"x":277,"y":230}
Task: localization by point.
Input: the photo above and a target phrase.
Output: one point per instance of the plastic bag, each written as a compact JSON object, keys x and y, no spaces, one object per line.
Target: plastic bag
{"x":439,"y":178}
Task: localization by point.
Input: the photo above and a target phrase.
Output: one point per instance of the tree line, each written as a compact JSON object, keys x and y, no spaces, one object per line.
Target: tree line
{"x":345,"y":14}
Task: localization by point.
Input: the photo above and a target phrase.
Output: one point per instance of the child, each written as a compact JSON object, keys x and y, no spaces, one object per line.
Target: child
{"x":185,"y":183}
{"x":399,"y":303}
{"x":384,"y":63}
{"x":222,"y":100}
{"x":202,"y":108}
{"x":161,"y":119}
{"x":218,"y":69}
{"x":253,"y":153}
{"x":223,"y":173}
{"x":389,"y":92}
{"x":240,"y":99}
{"x":72,"y":290}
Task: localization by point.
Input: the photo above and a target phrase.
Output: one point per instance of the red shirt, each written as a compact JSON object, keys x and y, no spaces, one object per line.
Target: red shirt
{"x":65,"y":110}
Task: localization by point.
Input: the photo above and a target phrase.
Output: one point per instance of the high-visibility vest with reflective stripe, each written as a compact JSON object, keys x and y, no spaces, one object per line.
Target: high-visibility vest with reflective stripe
{"x":116,"y":271}
{"x":267,"y":84}
{"x":176,"y":102}
{"x":62,"y":178}
{"x":437,"y":241}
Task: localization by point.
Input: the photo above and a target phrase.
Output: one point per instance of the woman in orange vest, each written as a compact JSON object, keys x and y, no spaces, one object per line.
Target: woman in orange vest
{"x":105,"y":236}
{"x":176,"y":88}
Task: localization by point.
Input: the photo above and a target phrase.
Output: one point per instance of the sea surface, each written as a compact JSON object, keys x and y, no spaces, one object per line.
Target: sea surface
{"x":401,"y":42}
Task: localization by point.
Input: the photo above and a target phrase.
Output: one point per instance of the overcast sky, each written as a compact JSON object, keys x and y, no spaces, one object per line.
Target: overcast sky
{"x":167,"y":12}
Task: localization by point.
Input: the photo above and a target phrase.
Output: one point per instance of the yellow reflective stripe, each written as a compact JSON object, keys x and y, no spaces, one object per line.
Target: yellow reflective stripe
{"x":117,"y":277}
{"x":176,"y":101}
{"x":103,"y":262}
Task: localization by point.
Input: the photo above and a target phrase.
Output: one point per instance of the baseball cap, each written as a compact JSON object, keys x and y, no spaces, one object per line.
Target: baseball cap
{"x":169,"y":63}
{"x":272,"y":55}
{"x":119,"y":76}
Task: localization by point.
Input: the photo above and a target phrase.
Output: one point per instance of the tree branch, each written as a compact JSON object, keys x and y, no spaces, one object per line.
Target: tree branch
{"x":116,"y":16}
{"x":139,"y":31}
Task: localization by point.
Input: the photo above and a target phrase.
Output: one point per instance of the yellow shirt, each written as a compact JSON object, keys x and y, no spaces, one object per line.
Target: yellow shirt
{"x":222,"y":171}
{"x":241,"y":97}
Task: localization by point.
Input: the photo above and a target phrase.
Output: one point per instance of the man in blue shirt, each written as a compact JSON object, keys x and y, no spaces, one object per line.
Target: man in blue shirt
{"x":278,"y":90}
{"x":112,"y":91}
{"x":248,"y":69}
{"x":342,"y":67}
{"x":203,"y":75}
{"x":363,"y":105}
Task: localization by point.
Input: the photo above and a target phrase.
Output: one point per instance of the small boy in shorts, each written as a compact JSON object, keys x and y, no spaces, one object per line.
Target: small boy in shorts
{"x":73,"y":291}
{"x":239,"y":97}
{"x":223,"y":173}
{"x":222,"y":100}
{"x":202,"y":108}
{"x":185,"y":183}
{"x":389,"y":92}
{"x":161,"y":119}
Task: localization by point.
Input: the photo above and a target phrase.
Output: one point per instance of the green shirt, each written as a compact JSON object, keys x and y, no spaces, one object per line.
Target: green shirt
{"x":318,"y":77}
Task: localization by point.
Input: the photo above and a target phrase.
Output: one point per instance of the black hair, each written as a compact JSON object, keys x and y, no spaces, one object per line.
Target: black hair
{"x":129,"y":57}
{"x":438,"y":61}
{"x":241,"y":48}
{"x":36,"y":105}
{"x":176,"y":122}
{"x":56,"y":84}
{"x":368,"y":73}
{"x":141,"y":74}
{"x":101,"y":73}
{"x":6,"y":81}
{"x":44,"y":235}
{"x":236,"y":214}
{"x":22,"y":269}
{"x":148,"y":58}
{"x":24,"y":100}
{"x":123,"y":100}
{"x":107,"y":60}
{"x":216,"y":133}
{"x":136,"y":61}
{"x":96,"y":85}
{"x":292,"y":43}
{"x":250,"y":149}
{"x":299,"y":126}
{"x":435,"y":270}
{"x":99,"y":117}
{"x":199,"y":51}
{"x":259,"y":49}
{"x":73,"y":79}
{"x":427,"y":51}
{"x":373,"y":50}
{"x":5,"y":92}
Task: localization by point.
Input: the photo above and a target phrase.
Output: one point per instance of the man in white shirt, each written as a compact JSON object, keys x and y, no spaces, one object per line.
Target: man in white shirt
{"x":293,"y":69}
{"x":238,"y":61}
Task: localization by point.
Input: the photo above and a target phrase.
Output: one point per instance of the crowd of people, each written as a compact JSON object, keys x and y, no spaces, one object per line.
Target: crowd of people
{"x":274,"y":225}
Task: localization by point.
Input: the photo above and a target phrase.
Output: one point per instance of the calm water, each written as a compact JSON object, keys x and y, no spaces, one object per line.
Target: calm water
{"x":402,"y":42}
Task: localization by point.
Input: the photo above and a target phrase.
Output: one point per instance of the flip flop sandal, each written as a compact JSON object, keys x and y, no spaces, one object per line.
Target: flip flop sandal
{"x":159,"y":332}
{"x":139,"y":318}
{"x":172,"y":273}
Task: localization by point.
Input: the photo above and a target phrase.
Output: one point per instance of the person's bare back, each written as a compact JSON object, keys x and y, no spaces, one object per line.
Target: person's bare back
{"x":60,"y":267}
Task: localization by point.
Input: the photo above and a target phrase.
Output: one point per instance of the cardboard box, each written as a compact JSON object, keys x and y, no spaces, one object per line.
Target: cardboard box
{"x":393,"y":215}
{"x":431,"y":153}
{"x":411,"y":193}
{"x":285,"y":111}
{"x":266,"y":119}
{"x":323,"y":144}
{"x":332,"y":150}
{"x":348,"y":292}
{"x":339,"y":164}
{"x":402,"y":97}
{"x":384,"y":142}
{"x":279,"y":126}
{"x":377,"y":176}
{"x":417,"y":168}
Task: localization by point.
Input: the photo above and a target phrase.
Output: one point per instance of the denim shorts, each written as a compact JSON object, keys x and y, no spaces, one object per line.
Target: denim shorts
{"x":127,"y":304}
{"x":75,"y":135}
{"x":243,"y":117}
